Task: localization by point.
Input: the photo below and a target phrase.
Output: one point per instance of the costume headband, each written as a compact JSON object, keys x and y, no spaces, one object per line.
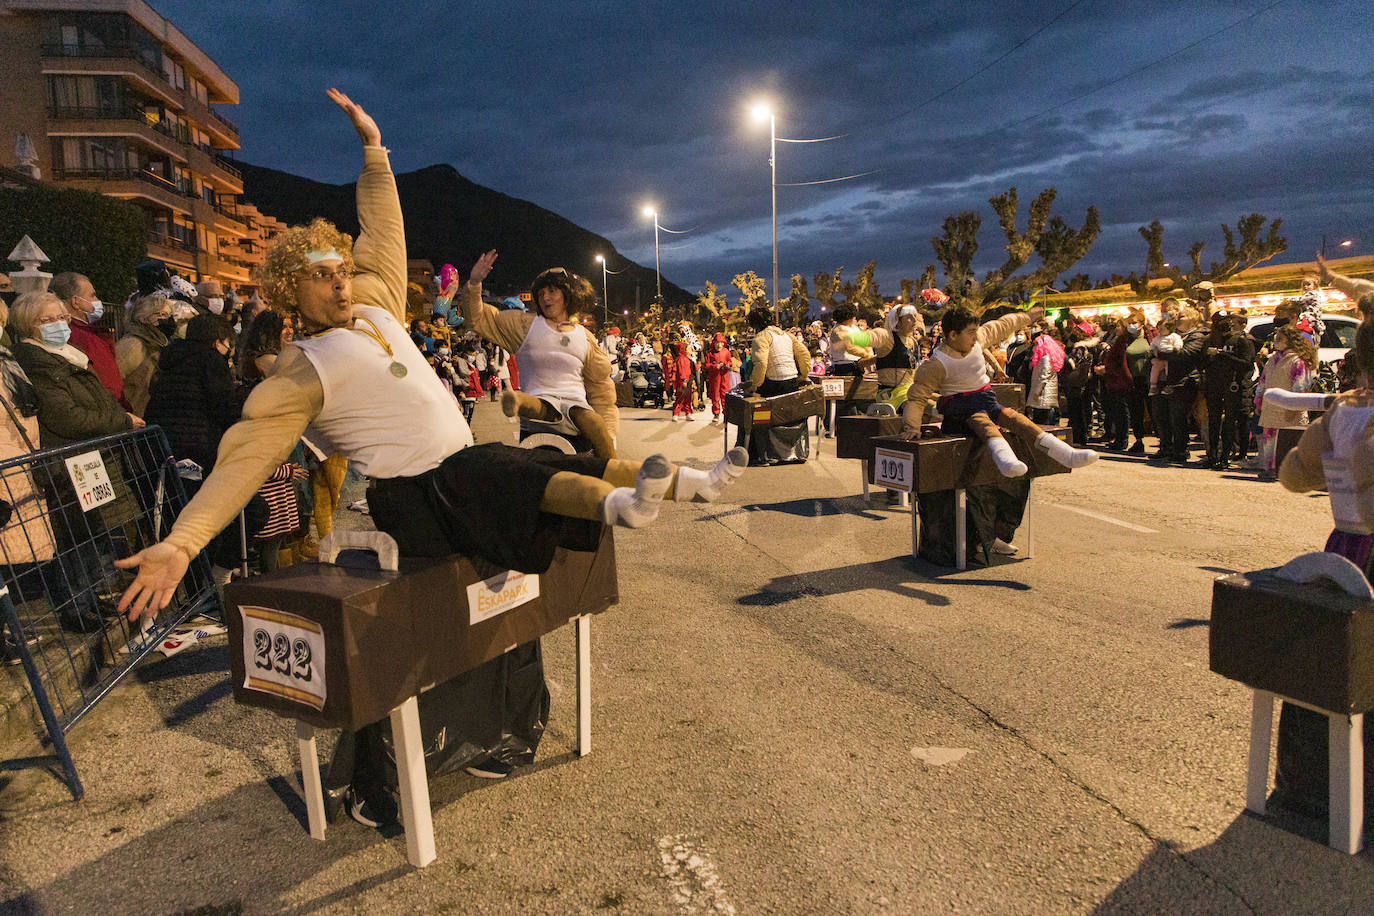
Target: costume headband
{"x":315,"y":257}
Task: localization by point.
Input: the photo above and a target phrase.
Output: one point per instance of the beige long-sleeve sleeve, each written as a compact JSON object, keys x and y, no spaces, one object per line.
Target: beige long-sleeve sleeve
{"x":282,"y":406}
{"x":930,"y":375}
{"x":994,"y":332}
{"x":506,"y":329}
{"x":759,"y":355}
{"x":596,"y":378}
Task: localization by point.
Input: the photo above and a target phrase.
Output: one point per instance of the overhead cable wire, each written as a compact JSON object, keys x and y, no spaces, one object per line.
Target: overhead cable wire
{"x":817,"y":140}
{"x":1158,"y":60}
{"x":977,"y":73}
{"x":802,"y":184}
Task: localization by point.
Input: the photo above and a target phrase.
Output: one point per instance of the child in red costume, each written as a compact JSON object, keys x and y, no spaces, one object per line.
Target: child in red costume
{"x":717,"y":374}
{"x":679,"y":368}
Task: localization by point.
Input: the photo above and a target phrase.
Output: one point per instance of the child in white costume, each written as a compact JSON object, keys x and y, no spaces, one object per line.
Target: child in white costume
{"x":957,"y":374}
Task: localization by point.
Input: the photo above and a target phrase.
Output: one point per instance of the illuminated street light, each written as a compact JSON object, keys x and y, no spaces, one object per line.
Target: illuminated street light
{"x":763,"y":111}
{"x":658,"y":277}
{"x":605,"y":302}
{"x":1347,"y":243}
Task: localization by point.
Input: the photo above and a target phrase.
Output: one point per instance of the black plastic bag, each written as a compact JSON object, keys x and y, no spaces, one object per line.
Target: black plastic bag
{"x":993,"y":511}
{"x":1300,"y":783}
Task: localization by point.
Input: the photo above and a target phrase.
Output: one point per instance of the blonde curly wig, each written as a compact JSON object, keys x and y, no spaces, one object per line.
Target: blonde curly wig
{"x":278,"y":275}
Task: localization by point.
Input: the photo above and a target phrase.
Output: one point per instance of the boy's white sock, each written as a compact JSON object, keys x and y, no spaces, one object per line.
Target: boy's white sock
{"x":638,"y":507}
{"x":1008,"y":465}
{"x":705,"y":486}
{"x":1064,"y":453}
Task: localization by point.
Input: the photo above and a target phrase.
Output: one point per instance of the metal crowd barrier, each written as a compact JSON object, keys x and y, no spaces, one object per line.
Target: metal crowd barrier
{"x":68,"y":513}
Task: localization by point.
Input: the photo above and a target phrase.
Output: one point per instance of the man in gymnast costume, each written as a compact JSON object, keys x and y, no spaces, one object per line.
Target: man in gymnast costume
{"x":360,"y":385}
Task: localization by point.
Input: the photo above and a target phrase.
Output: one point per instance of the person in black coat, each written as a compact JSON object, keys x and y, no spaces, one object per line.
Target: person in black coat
{"x":193,"y":398}
{"x":1180,"y":381}
{"x":1228,"y":385}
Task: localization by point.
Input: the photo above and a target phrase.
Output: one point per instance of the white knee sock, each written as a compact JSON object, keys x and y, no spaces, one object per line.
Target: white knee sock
{"x":638,"y":507}
{"x":705,"y":486}
{"x":1064,"y":453}
{"x":1008,"y":465}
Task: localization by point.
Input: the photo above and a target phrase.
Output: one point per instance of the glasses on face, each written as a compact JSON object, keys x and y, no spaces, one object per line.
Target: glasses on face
{"x":51,"y":319}
{"x":325,"y":275}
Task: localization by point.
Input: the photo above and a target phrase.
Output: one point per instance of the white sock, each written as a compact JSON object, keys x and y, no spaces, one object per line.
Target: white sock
{"x":638,"y":507}
{"x":705,"y":486}
{"x":1008,"y":465}
{"x":1064,"y":453}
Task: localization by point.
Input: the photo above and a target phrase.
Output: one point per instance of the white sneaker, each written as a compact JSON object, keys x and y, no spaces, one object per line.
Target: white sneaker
{"x":1002,"y":547}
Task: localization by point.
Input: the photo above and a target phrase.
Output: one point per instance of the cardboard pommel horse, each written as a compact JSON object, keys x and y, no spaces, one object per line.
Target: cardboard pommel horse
{"x":1303,"y":633}
{"x":342,"y":646}
{"x":952,"y":463}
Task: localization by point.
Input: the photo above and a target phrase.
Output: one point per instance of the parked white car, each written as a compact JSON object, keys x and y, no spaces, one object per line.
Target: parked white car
{"x":1336,"y":341}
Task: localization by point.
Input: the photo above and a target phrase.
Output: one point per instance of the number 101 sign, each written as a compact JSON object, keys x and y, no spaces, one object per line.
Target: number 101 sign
{"x":893,"y":469}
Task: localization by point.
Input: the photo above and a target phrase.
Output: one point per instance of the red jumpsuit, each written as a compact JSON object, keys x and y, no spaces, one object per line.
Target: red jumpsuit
{"x":680,"y":365}
{"x":717,"y":377}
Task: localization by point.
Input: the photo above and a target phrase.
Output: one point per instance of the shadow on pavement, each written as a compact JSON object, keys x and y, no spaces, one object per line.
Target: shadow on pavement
{"x":1252,"y":867}
{"x":1187,"y":623}
{"x":810,"y":508}
{"x":889,"y":575}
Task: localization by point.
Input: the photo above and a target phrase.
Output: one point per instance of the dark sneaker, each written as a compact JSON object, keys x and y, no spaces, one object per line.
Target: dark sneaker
{"x":489,"y":768}
{"x":1137,"y":449}
{"x":375,"y":812}
{"x":11,"y":647}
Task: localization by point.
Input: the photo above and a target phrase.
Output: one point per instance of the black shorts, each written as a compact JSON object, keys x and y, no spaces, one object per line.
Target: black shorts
{"x":957,"y":408}
{"x":483,"y":502}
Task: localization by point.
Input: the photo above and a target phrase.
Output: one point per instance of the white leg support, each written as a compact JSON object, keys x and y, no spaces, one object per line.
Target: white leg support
{"x":915,"y":530}
{"x":414,"y":786}
{"x":830,"y":408}
{"x":903,"y":499}
{"x":1346,"y":784}
{"x":863,"y":473}
{"x":583,"y":637}
{"x":1261,"y":739}
{"x":310,"y":779}
{"x":960,"y":529}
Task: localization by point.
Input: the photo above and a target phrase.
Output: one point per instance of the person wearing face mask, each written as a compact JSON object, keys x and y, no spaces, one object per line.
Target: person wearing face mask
{"x":209,"y":297}
{"x":151,"y":326}
{"x":84,"y":310}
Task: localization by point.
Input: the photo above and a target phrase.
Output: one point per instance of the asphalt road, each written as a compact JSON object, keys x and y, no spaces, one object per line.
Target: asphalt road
{"x":791,"y":716}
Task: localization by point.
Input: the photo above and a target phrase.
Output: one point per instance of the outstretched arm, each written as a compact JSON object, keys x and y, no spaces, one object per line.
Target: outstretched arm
{"x":379,"y":254}
{"x":505,"y":329}
{"x":1353,"y":287}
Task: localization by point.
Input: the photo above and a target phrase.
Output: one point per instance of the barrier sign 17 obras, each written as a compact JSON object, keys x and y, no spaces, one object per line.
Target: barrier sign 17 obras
{"x":283,"y":654}
{"x":89,"y":479}
{"x":893,"y":469}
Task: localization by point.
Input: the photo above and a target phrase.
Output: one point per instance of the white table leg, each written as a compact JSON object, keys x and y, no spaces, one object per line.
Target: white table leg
{"x":583,"y":636}
{"x":834,"y":433}
{"x":903,"y":499}
{"x":863,"y":473}
{"x":310,"y":779}
{"x":1261,"y":739}
{"x":1346,"y":785}
{"x":960,"y":529}
{"x":413,"y":783}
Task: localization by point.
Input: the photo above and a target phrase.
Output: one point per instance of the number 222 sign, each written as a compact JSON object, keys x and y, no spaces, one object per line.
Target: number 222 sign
{"x":893,"y":469}
{"x":283,"y":654}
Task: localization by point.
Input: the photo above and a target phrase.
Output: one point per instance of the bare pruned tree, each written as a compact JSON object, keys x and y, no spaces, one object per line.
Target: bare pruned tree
{"x":1251,"y":250}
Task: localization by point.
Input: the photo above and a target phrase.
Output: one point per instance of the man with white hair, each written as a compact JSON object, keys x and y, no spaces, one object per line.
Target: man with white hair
{"x":84,"y":309}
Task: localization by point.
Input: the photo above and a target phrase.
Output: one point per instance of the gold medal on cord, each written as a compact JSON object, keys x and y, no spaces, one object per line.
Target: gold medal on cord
{"x":398,"y":370}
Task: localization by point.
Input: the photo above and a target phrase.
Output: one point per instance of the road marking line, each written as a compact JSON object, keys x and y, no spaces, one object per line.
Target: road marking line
{"x":1107,"y":518}
{"x":939,"y":756}
{"x":692,"y":875}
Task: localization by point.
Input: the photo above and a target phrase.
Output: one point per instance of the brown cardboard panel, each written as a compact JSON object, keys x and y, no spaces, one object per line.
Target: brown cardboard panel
{"x":387,"y":635}
{"x":853,"y":434}
{"x":1010,"y":394}
{"x":1311,"y":642}
{"x":953,"y":462}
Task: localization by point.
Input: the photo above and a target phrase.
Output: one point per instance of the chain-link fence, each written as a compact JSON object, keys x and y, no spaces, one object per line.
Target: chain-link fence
{"x":68,"y":513}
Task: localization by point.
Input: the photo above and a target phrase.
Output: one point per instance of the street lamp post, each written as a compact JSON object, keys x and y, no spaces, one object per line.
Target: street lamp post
{"x":761,"y":112}
{"x":605,"y":301}
{"x":658,"y":277}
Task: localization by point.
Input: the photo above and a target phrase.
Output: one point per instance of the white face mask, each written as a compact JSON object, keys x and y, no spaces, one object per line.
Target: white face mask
{"x":97,"y":309}
{"x":1133,"y":328}
{"x":215,"y":304}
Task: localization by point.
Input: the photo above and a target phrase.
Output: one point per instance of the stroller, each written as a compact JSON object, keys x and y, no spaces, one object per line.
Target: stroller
{"x":647,"y":380}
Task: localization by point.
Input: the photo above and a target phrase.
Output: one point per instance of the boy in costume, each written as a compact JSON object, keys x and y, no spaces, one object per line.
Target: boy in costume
{"x":957,"y":374}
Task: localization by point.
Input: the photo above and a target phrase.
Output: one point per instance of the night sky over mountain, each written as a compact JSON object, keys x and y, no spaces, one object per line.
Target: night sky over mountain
{"x":1192,"y":113}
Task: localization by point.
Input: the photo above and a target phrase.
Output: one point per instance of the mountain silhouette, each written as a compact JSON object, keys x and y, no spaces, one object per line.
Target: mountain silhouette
{"x":451,"y":220}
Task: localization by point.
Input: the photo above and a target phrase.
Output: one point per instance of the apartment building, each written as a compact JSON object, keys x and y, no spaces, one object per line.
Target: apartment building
{"x":115,"y":99}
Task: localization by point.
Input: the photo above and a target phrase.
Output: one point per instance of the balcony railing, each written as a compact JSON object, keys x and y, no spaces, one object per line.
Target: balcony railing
{"x":61,"y":173}
{"x":223,"y":120}
{"x":177,"y":132}
{"x":224,"y":164}
{"x":172,"y":241}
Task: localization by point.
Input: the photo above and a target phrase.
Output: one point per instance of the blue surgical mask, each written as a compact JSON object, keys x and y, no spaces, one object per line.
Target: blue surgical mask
{"x":1133,"y":328}
{"x":97,"y":309}
{"x":55,"y":333}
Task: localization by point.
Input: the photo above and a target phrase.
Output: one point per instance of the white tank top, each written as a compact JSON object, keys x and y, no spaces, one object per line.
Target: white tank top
{"x":386,"y":426}
{"x":551,"y":362}
{"x":782,"y":365}
{"x":963,"y":373}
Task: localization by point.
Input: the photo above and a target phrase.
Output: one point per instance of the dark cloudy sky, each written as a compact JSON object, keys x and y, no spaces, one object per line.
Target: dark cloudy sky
{"x":590,"y":109}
